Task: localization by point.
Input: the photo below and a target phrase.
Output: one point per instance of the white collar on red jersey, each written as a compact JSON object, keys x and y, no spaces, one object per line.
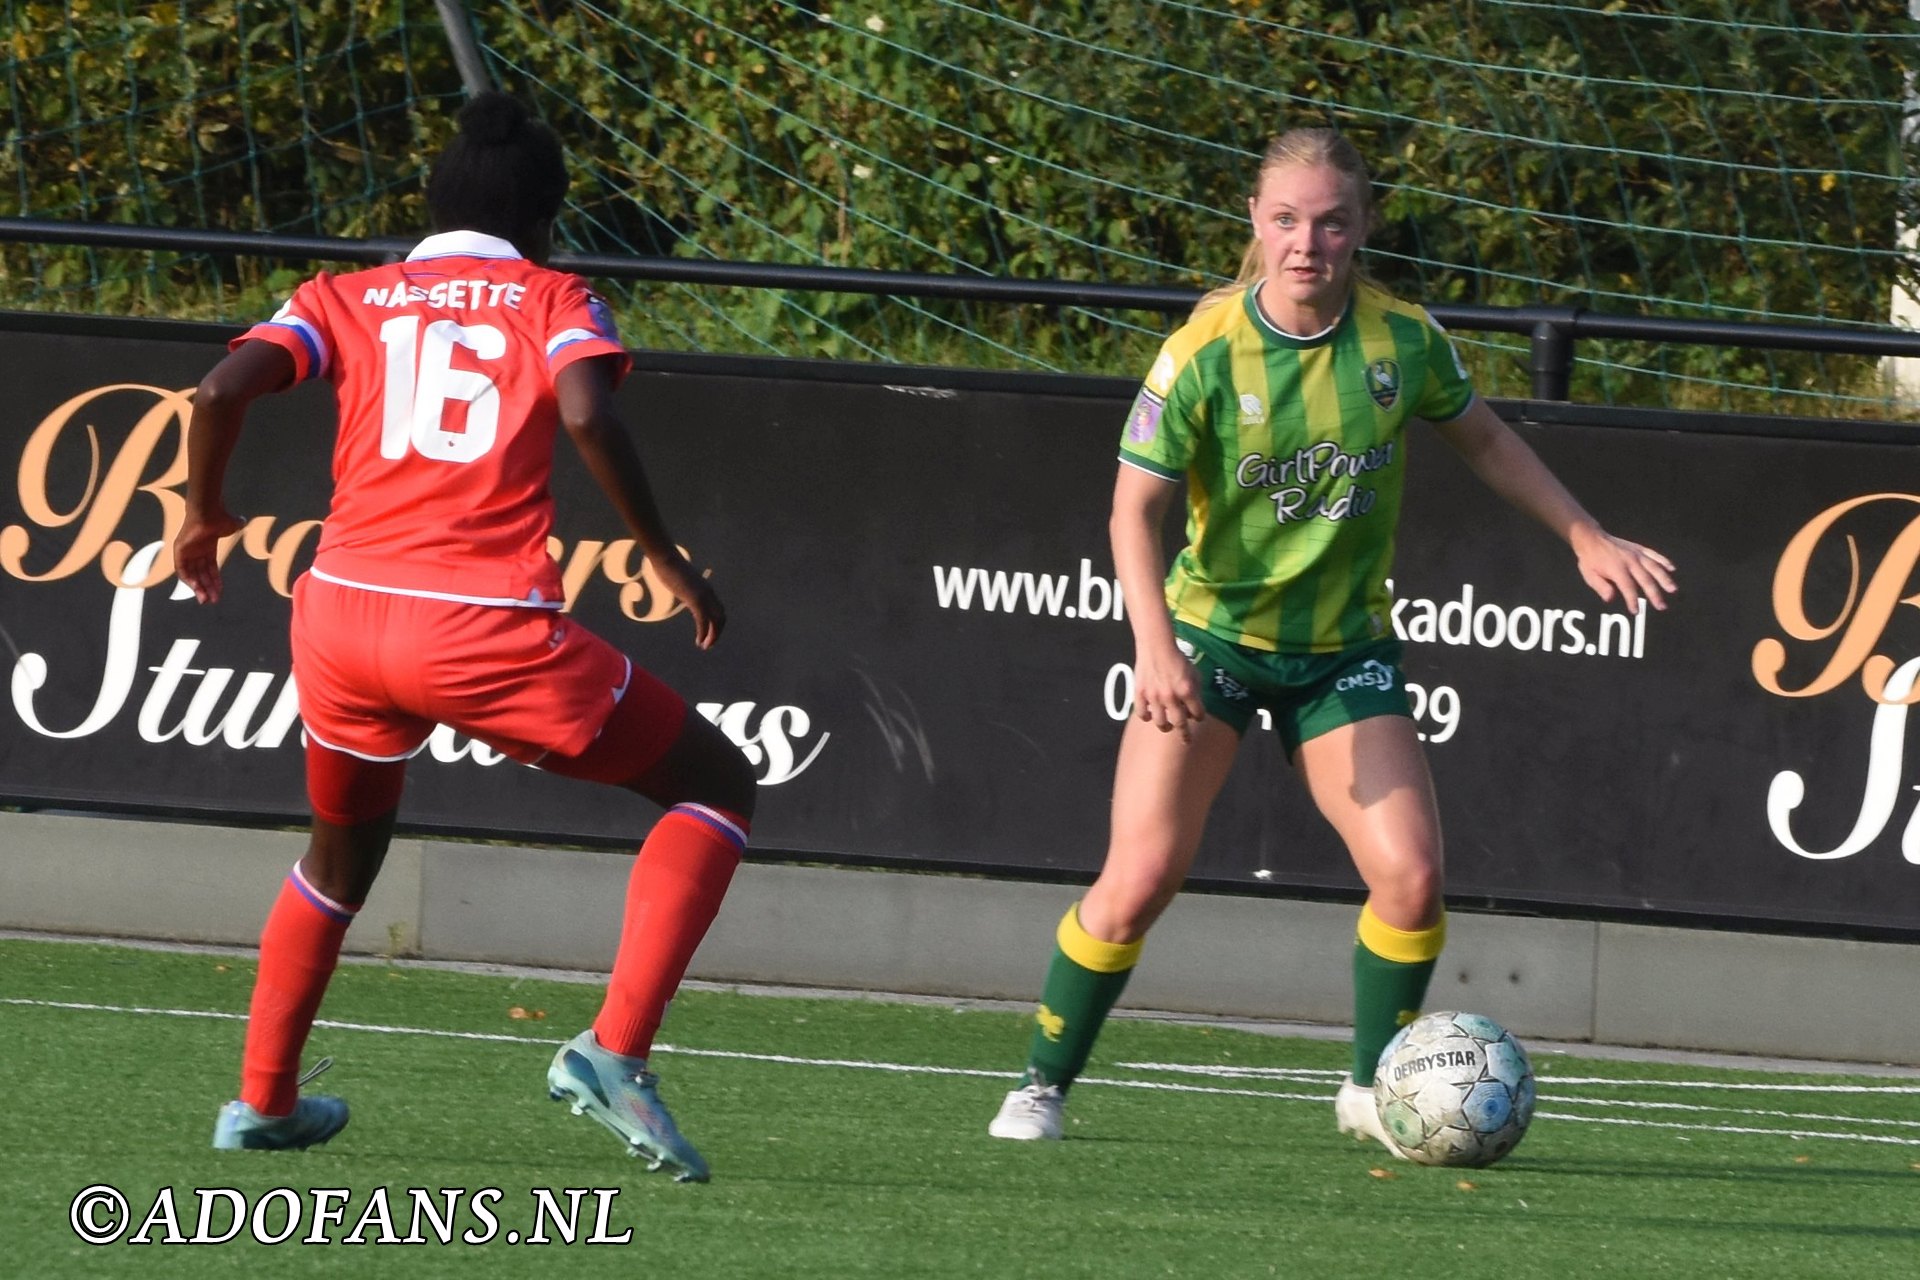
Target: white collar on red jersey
{"x":463,"y":244}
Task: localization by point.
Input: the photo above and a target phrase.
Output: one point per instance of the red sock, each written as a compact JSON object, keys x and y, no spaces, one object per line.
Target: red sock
{"x":678,"y":881}
{"x":299,"y":948}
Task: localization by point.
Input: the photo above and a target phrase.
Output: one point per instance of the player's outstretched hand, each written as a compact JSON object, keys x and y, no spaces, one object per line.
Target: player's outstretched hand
{"x":695,"y":592}
{"x":1616,"y":568}
{"x":1165,"y":692}
{"x":196,"y":552}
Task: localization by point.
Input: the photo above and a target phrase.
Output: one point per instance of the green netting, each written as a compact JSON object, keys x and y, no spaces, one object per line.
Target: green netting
{"x":1715,"y":159}
{"x":296,"y":118}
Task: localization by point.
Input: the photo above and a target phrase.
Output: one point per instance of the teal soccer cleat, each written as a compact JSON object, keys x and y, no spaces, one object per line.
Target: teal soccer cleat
{"x":623,"y":1095}
{"x":311,"y":1122}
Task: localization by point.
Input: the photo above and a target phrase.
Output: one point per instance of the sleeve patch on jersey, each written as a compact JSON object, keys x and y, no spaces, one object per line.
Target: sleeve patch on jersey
{"x":1143,"y":420}
{"x":603,"y":317}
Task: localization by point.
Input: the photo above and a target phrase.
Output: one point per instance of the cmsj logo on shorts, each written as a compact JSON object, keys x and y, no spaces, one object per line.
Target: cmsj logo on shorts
{"x":1373,"y":674}
{"x":1229,"y":688}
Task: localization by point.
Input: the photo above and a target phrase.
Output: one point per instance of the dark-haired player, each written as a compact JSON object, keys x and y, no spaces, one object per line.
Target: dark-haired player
{"x":432,"y":600}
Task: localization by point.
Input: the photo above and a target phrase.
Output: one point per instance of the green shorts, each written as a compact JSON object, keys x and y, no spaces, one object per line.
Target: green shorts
{"x":1307,"y":694}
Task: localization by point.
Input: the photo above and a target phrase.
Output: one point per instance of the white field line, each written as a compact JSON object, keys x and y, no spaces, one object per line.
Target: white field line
{"x":1550,"y":1092}
{"x":1292,"y":1073}
{"x":1614,"y":1082}
{"x":1563,"y":1100}
{"x":1228,"y":1072}
{"x":1886,"y":1138}
{"x":1160,"y":1086}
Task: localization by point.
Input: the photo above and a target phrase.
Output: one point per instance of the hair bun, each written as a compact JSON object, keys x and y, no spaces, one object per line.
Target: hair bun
{"x":492,"y":118}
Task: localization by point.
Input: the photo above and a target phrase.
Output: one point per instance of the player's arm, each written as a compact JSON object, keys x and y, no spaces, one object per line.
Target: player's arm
{"x":1505,"y":463}
{"x":585,"y":391}
{"x":1164,"y":690}
{"x":251,"y":370}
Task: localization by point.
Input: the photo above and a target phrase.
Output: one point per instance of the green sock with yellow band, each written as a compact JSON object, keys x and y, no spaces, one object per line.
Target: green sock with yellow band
{"x":1085,"y":978}
{"x":1391,"y":969}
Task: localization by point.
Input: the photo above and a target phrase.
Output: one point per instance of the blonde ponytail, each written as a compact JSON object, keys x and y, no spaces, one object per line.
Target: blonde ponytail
{"x":1248,"y":273}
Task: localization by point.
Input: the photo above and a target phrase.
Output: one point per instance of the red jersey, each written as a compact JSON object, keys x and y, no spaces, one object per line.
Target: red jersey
{"x":443,"y":368}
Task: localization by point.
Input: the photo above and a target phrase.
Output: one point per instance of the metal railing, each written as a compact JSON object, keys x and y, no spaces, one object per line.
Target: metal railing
{"x":1551,"y":331}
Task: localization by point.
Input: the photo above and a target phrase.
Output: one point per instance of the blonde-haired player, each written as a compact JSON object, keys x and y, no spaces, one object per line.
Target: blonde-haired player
{"x":1279,"y":407}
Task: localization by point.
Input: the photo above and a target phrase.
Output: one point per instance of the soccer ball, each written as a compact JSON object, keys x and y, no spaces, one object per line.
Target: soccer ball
{"x":1454,"y":1089}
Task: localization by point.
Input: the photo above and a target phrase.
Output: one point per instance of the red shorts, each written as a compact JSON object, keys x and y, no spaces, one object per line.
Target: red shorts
{"x":376,"y":672}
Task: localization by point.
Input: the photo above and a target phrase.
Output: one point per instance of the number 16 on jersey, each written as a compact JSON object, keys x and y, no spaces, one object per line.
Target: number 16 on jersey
{"x":421,"y":380}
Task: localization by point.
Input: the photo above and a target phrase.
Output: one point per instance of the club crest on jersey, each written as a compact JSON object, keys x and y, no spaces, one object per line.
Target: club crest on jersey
{"x":1383,"y":382}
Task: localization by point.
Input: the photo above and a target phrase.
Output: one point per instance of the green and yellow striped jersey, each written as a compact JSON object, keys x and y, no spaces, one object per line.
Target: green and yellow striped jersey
{"x":1293,"y":454}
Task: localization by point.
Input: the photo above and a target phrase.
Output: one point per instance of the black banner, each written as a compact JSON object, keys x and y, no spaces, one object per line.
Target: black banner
{"x":927,"y":659}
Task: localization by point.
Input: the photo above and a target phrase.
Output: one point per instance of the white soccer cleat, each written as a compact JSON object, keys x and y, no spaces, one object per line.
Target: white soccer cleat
{"x":1355,"y":1111}
{"x":1031,"y":1113}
